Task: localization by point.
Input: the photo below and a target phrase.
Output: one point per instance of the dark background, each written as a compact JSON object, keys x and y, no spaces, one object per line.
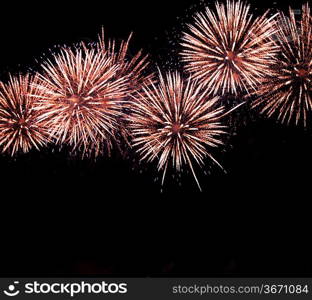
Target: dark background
{"x":63,"y":216}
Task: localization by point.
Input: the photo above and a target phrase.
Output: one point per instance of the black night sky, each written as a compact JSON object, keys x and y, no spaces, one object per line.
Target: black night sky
{"x":62,"y":216}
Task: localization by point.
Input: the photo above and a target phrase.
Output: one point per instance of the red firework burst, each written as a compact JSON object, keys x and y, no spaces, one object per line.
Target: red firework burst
{"x":175,"y":123}
{"x":88,"y":88}
{"x":228,"y":49}
{"x":84,"y":99}
{"x":287,"y":89}
{"x":21,"y":127}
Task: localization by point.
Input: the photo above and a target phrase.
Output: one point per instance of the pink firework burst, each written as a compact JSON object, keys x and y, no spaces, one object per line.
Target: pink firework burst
{"x":286,"y":92}
{"x":176,"y":123}
{"x":21,"y":126}
{"x":83,"y":99}
{"x":228,"y":49}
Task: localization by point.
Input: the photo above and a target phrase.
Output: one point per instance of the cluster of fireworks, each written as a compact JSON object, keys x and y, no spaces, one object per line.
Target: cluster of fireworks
{"x":94,"y":97}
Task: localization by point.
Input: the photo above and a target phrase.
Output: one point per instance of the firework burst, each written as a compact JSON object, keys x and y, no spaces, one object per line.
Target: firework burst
{"x":21,"y":128}
{"x":229,"y":50}
{"x":84,"y":99}
{"x":287,"y":90}
{"x":176,"y":124}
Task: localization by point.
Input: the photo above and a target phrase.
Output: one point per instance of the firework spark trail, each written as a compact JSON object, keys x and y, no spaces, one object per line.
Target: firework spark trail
{"x":134,"y":67}
{"x":287,"y":92}
{"x":175,"y":123}
{"x":83,"y":99}
{"x":229,"y":50}
{"x":21,"y":127}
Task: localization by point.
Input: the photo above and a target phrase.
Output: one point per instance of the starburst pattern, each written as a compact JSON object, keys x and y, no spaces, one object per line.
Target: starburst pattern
{"x":286,"y":92}
{"x":228,"y":49}
{"x":21,"y":128}
{"x":175,"y":123}
{"x":84,"y":99}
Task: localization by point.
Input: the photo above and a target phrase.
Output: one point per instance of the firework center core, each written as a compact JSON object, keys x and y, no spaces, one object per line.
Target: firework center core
{"x":302,"y":72}
{"x":176,"y":128}
{"x":232,"y":56}
{"x":20,"y":123}
{"x":74,"y":99}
